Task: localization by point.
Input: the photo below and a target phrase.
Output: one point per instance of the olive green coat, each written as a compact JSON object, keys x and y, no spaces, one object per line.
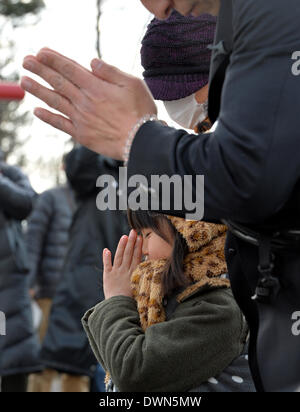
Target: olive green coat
{"x":202,"y":337}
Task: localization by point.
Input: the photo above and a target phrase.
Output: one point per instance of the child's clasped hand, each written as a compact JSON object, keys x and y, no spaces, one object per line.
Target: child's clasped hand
{"x":116,"y":276}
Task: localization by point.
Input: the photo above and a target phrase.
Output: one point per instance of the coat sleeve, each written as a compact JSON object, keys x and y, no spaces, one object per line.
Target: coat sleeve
{"x":38,"y":224}
{"x":197,"y":343}
{"x":251,"y":162}
{"x":16,"y":193}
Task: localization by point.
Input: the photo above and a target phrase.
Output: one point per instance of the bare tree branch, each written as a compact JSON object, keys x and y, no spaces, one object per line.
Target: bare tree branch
{"x":98,"y":32}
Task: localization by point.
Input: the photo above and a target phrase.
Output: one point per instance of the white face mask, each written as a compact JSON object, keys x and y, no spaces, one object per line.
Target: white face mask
{"x":187,"y":112}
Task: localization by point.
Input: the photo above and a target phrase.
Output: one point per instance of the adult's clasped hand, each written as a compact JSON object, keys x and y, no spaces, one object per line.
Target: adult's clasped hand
{"x":97,"y":108}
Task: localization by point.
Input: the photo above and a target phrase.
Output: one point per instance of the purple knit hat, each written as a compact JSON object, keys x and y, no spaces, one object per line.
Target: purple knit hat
{"x":175,"y":55}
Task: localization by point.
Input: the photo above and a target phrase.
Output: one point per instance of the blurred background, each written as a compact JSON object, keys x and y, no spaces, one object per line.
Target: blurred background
{"x":80,"y":29}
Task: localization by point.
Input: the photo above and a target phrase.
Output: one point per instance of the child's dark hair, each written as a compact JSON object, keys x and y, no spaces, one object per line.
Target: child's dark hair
{"x":173,"y":277}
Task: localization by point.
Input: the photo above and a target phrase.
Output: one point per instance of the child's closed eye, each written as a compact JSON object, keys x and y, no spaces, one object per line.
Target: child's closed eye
{"x":146,"y":234}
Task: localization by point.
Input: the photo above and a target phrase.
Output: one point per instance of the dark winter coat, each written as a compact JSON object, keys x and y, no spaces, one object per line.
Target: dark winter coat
{"x":47,"y":238}
{"x":66,"y":346}
{"x":19,"y":347}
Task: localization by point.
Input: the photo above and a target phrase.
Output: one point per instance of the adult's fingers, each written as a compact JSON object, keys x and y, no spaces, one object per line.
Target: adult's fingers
{"x":70,"y":70}
{"x":127,"y":259}
{"x":109,"y":73}
{"x":56,"y":80}
{"x":55,"y":120}
{"x":53,"y":99}
{"x":61,"y":55}
{"x":120,"y":251}
{"x":107,"y":265}
{"x":104,"y":84}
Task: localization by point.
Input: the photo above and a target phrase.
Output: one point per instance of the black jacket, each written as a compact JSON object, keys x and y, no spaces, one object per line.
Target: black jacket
{"x":19,"y":347}
{"x":47,"y":238}
{"x":257,"y":109}
{"x":66,"y":347}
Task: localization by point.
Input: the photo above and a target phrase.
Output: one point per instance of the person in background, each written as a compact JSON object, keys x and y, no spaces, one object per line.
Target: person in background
{"x":66,"y":353}
{"x":176,"y":56}
{"x":19,"y":347}
{"x":47,"y":242}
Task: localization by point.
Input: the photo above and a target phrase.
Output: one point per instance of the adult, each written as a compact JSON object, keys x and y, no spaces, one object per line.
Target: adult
{"x":47,"y":242}
{"x":255,"y":96}
{"x":19,"y":347}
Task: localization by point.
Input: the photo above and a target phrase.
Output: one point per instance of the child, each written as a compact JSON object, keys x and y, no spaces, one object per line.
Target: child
{"x":169,"y":323}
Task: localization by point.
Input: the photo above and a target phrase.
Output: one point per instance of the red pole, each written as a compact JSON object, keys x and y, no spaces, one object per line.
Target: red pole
{"x":11,"y":91}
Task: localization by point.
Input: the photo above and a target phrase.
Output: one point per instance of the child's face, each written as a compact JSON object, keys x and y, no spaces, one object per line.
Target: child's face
{"x":154,"y":246}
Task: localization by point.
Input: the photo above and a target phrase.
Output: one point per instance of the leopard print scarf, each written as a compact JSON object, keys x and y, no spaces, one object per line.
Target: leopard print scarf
{"x":203,"y":270}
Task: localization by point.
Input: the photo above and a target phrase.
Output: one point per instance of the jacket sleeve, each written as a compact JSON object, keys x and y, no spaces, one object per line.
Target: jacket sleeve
{"x":251,"y":162}
{"x":16,"y":193}
{"x":196,"y":343}
{"x":38,"y":224}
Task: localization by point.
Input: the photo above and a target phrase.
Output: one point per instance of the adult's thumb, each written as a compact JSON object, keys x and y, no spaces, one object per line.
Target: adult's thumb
{"x":106,"y":72}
